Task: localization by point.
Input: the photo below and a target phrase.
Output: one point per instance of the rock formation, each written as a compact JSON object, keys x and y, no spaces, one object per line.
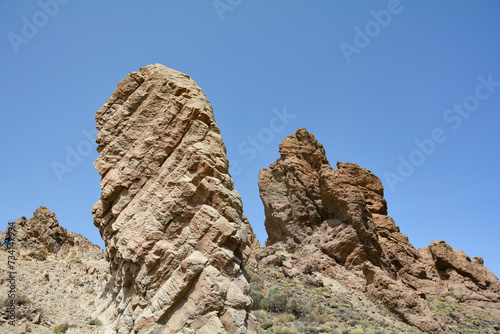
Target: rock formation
{"x":43,"y":232}
{"x":255,"y":245}
{"x":54,"y":279}
{"x":169,"y":215}
{"x":337,"y":219}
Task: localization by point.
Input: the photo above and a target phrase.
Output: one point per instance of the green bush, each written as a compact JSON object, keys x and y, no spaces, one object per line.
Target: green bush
{"x":18,"y":300}
{"x":260,"y":316}
{"x":274,"y":301}
{"x":95,"y":322}
{"x":311,"y":330}
{"x":61,"y":328}
{"x":40,"y":255}
{"x":325,"y":329}
{"x":257,"y":298}
{"x":256,"y":282}
{"x":268,"y":324}
{"x":23,"y":300}
{"x":300,"y":306}
{"x":75,"y":261}
{"x":282,"y":330}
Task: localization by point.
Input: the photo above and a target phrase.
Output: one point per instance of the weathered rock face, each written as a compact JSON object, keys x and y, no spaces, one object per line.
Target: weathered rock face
{"x":436,"y":271}
{"x":58,"y":275}
{"x":169,"y":214}
{"x":43,"y":231}
{"x":290,"y":190}
{"x":255,"y":245}
{"x":466,"y":280}
{"x":306,"y":201}
{"x":337,"y":220}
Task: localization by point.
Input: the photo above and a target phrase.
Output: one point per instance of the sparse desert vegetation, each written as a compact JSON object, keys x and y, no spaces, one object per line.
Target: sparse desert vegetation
{"x":295,"y":305}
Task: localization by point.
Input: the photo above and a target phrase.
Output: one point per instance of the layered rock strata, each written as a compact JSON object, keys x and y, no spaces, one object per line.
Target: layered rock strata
{"x":336,"y":220}
{"x":169,"y":214}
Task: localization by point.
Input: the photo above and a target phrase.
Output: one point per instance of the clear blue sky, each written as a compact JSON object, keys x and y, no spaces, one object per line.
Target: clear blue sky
{"x":368,"y":78}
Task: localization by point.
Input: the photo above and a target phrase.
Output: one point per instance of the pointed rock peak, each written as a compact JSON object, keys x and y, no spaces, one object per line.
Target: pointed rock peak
{"x":43,"y":232}
{"x":301,"y":191}
{"x":169,"y":214}
{"x":302,"y":146}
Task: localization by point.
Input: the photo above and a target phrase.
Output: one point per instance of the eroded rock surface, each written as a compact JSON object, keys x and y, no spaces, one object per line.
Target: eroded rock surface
{"x":255,"y":245}
{"x":336,"y":220}
{"x":169,"y":214}
{"x":43,"y":232}
{"x":57,"y":275}
{"x":466,"y":280}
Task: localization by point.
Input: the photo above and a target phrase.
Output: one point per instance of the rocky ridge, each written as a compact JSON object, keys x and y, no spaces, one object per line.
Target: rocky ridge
{"x":43,"y":232}
{"x":169,"y":215}
{"x":59,"y":276}
{"x":337,"y":220}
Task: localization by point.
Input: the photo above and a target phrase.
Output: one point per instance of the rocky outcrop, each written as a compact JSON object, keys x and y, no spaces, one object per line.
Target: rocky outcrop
{"x":306,"y":201}
{"x":255,"y":245}
{"x":169,"y":215}
{"x":43,"y":232}
{"x":336,"y":219}
{"x":57,"y":275}
{"x":465,"y":280}
{"x":438,"y":271}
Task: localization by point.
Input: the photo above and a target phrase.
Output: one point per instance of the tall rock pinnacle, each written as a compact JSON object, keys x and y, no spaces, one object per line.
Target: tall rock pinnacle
{"x":168,"y":213}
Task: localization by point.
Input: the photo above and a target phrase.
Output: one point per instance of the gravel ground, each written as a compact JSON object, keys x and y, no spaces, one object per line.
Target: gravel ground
{"x":52,"y":292}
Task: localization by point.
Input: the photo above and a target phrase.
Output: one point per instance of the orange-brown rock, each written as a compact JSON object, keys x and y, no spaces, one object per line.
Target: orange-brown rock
{"x":336,"y":219}
{"x":306,"y":201}
{"x":290,"y":191}
{"x":169,"y":215}
{"x":255,"y":245}
{"x":468,"y":281}
{"x":43,"y":232}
